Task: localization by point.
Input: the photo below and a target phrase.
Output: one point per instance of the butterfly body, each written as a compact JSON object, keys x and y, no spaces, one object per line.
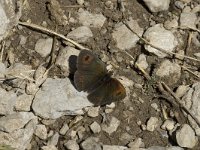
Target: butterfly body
{"x":92,"y":77}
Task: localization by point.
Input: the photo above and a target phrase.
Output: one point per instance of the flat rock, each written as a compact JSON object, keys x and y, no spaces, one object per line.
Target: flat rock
{"x":15,"y":121}
{"x":114,"y":147}
{"x":136,"y":144}
{"x":23,"y":102}
{"x":157,"y":5}
{"x":169,"y":71}
{"x":88,"y":19}
{"x":10,"y":12}
{"x":80,"y":34}
{"x":185,"y":137}
{"x":164,"y":148}
{"x":188,"y":19}
{"x":58,"y":97}
{"x":91,"y":143}
{"x":112,"y":126}
{"x":19,"y":139}
{"x":64,"y":129}
{"x":7,"y":101}
{"x":44,"y":46}
{"x":159,"y":36}
{"x":124,"y":38}
{"x":41,"y":131}
{"x":53,"y":140}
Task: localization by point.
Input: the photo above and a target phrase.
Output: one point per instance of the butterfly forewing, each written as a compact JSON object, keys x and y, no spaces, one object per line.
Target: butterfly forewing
{"x":107,"y":92}
{"x":90,"y":71}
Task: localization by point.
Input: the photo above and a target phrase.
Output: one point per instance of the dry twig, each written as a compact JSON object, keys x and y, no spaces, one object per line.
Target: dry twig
{"x":2,"y":50}
{"x":186,"y":69}
{"x":34,"y":26}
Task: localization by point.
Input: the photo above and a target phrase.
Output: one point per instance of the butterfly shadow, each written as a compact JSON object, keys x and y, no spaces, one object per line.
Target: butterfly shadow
{"x":72,"y":68}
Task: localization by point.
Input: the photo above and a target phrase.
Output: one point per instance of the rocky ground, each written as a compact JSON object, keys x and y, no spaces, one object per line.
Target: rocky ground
{"x":151,"y":46}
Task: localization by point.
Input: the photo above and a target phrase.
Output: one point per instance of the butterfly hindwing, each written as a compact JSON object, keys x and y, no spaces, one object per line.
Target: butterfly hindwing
{"x":107,"y":92}
{"x":90,"y":70}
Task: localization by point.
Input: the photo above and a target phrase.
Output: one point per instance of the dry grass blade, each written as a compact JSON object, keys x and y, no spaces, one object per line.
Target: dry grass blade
{"x":186,"y":69}
{"x":34,"y":26}
{"x":158,"y":48}
{"x":2,"y":51}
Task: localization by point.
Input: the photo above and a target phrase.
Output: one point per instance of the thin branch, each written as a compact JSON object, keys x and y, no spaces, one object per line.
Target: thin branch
{"x":34,"y":26}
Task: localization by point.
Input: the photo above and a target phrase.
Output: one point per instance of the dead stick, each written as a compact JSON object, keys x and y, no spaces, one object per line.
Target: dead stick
{"x":34,"y":26}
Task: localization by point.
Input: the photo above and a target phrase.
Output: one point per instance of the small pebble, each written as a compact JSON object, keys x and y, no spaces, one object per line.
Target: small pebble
{"x":64,"y":129}
{"x":80,"y":2}
{"x":72,"y":145}
{"x":152,"y":123}
{"x":95,"y":127}
{"x":168,"y":124}
{"x":93,"y":112}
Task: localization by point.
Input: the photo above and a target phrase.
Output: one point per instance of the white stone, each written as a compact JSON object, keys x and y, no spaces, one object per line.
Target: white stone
{"x":168,"y":124}
{"x":181,"y":90}
{"x":152,"y":124}
{"x":41,"y":132}
{"x":170,"y":24}
{"x":64,"y":129}
{"x":49,"y":147}
{"x":15,"y":121}
{"x":169,"y":70}
{"x":19,"y":139}
{"x":72,"y":145}
{"x":185,"y":137}
{"x":91,"y":143}
{"x":66,"y":57}
{"x":142,"y":61}
{"x":2,"y":70}
{"x":197,"y":55}
{"x":93,"y":112}
{"x":114,"y":147}
{"x":188,"y":19}
{"x":7,"y":101}
{"x":159,"y":36}
{"x":157,"y":5}
{"x":58,"y":97}
{"x":124,"y":38}
{"x":10,"y":12}
{"x":112,"y":126}
{"x":95,"y":127}
{"x":54,"y":139}
{"x":23,"y":102}
{"x":136,"y":144}
{"x":80,"y":2}
{"x":80,"y":34}
{"x":44,"y":46}
{"x":164,"y":148}
{"x":191,"y":100}
{"x":155,"y":106}
{"x":88,"y":19}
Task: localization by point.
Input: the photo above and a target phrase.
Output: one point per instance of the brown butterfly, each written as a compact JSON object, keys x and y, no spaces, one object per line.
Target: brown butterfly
{"x":92,"y":77}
